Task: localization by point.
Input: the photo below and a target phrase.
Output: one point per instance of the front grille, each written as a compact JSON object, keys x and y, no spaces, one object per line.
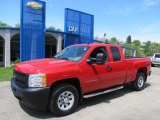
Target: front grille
{"x":21,"y":79}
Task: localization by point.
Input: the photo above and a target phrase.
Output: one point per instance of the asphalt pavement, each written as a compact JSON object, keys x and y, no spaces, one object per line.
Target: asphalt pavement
{"x":124,"y":104}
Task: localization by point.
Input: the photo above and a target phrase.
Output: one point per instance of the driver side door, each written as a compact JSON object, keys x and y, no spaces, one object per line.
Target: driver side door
{"x":96,"y":75}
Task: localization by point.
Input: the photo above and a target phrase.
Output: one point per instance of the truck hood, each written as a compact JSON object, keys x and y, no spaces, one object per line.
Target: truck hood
{"x":41,"y":65}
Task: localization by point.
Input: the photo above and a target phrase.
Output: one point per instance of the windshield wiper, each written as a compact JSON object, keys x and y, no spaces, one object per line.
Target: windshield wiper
{"x":64,"y":58}
{"x":55,"y":57}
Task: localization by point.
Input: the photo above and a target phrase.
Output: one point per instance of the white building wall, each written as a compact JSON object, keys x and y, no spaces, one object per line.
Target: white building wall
{"x":7,"y":38}
{"x":14,"y":32}
{"x":59,"y":43}
{"x":59,"y":37}
{"x":2,"y":34}
{"x":7,"y":34}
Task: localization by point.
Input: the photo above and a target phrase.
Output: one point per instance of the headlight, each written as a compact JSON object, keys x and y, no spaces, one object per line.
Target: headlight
{"x":37,"y":80}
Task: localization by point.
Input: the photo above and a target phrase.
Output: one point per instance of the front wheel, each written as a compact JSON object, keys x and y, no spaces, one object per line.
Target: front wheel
{"x":64,"y":100}
{"x":139,"y":82}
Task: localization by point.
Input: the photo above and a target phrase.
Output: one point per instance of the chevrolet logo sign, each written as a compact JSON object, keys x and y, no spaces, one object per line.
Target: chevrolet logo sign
{"x":34,"y":5}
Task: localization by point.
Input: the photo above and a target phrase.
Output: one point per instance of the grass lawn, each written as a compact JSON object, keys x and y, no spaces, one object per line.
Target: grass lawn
{"x":6,"y":73}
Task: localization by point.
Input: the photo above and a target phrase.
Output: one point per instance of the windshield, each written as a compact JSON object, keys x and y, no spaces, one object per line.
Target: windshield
{"x":72,"y":53}
{"x":157,"y":55}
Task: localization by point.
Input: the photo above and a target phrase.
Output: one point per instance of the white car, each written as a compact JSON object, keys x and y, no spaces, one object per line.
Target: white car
{"x":155,"y":59}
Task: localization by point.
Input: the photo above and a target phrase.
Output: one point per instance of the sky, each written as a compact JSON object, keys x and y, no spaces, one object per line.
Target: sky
{"x":116,"y":18}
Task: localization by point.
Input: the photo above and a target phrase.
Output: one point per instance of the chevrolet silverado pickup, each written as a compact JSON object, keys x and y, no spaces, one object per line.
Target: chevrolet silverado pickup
{"x":78,"y":71}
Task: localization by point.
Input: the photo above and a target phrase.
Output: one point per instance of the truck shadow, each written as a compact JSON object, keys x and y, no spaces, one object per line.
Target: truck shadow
{"x":105,"y":98}
{"x":156,"y":66}
{"x":108,"y":97}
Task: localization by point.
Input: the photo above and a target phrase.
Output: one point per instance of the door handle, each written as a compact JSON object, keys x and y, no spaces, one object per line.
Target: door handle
{"x":109,"y":68}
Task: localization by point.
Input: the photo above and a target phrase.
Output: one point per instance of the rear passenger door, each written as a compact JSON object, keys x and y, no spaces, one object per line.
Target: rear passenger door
{"x":118,"y":65}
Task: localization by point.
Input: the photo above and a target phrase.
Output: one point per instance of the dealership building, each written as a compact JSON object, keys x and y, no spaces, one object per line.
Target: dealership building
{"x":32,"y":40}
{"x":10,"y":44}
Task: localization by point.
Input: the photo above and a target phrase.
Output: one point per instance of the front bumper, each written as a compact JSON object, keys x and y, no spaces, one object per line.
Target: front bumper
{"x":35,"y":98}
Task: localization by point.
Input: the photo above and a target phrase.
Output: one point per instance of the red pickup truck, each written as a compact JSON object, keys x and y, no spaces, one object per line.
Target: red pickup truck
{"x":78,"y":71}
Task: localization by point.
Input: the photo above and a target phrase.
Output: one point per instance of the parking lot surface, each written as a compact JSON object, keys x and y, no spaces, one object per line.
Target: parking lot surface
{"x":124,"y":104}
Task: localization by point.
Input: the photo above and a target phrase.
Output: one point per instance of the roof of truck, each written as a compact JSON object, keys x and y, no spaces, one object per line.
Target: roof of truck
{"x":94,"y":44}
{"x":104,"y":44}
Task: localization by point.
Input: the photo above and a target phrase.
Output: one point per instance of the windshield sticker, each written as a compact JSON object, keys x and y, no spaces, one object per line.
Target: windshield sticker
{"x":85,"y":48}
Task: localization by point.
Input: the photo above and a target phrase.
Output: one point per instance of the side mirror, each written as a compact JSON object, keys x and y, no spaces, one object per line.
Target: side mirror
{"x":100,"y":58}
{"x":89,"y":61}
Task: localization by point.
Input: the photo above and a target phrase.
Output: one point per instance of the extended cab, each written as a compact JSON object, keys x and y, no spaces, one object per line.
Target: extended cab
{"x":78,"y":71}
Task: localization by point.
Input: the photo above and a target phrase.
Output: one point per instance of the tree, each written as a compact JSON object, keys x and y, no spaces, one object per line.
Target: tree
{"x":54,"y":28}
{"x":114,"y":40}
{"x":137,"y":43}
{"x":3,"y":24}
{"x":58,"y":29}
{"x":155,"y":47}
{"x":129,"y":40}
{"x":147,"y":48}
{"x":17,"y":25}
{"x":51,"y":28}
{"x":106,"y":41}
{"x":139,"y":52}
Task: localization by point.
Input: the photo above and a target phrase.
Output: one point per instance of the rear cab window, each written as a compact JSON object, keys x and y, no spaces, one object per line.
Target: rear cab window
{"x":115,"y":53}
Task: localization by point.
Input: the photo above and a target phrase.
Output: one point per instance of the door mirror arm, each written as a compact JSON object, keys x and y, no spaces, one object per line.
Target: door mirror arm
{"x":100,"y":59}
{"x":89,"y":61}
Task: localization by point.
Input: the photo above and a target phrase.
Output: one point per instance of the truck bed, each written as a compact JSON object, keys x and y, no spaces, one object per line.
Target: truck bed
{"x":134,"y":63}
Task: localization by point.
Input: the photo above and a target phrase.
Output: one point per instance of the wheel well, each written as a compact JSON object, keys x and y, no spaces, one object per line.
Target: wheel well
{"x":143,"y":70}
{"x":73,"y":81}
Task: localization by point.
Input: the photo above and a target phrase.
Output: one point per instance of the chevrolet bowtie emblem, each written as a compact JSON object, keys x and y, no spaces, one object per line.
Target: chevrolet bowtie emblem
{"x":34,"y":5}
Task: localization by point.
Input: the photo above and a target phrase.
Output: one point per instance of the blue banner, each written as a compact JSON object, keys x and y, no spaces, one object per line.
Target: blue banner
{"x":79,"y":27}
{"x":32,"y":30}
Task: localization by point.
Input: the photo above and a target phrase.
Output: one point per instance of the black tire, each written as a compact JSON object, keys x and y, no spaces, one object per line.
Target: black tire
{"x":57,"y":100}
{"x":153,"y":65}
{"x":139,"y":82}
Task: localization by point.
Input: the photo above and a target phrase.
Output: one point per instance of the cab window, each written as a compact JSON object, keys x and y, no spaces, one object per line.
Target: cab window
{"x":115,"y":53}
{"x":99,"y":50}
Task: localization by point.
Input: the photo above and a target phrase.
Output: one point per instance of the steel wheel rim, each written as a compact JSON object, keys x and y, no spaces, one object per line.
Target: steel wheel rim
{"x":140,"y":81}
{"x":65,"y":100}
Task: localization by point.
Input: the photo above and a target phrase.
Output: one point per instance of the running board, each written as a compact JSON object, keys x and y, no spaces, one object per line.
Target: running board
{"x":103,"y":92}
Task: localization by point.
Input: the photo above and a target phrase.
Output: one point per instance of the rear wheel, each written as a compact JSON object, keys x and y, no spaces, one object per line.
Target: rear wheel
{"x":153,"y":65}
{"x":139,"y":82}
{"x":64,"y":100}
